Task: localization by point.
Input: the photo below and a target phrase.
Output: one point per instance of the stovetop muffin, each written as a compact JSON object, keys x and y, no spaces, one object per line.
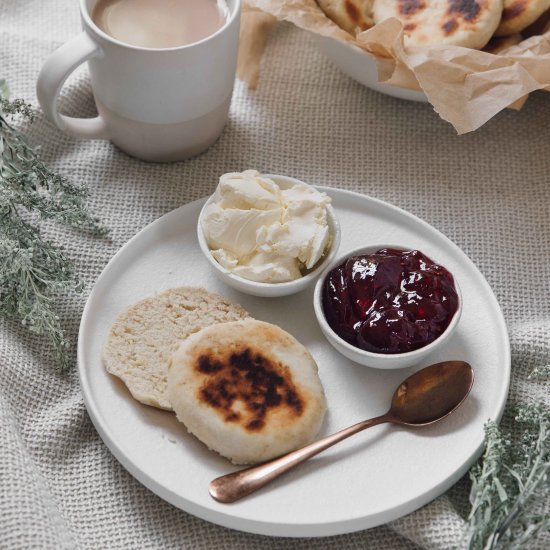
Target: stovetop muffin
{"x":519,"y":14}
{"x":143,"y":337}
{"x":247,"y":389}
{"x":470,"y":24}
{"x":354,"y":16}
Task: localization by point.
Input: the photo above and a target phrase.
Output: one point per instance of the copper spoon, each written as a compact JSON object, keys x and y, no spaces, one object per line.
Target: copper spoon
{"x":423,"y":398}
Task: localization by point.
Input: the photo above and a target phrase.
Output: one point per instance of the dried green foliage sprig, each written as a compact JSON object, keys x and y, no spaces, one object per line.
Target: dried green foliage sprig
{"x":510,"y":492}
{"x":32,"y":269}
{"x":542,"y":372}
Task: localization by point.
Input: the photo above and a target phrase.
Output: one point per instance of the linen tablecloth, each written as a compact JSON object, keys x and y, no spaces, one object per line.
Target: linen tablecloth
{"x":488,"y":191}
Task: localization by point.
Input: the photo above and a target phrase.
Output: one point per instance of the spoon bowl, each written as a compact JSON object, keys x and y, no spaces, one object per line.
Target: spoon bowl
{"x":431,"y":394}
{"x":425,"y":397}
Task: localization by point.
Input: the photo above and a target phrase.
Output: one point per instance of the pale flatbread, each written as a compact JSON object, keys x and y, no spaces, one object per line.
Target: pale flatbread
{"x":354,"y":16}
{"x":468,"y":23}
{"x":248,"y":390}
{"x":519,"y":14}
{"x":143,"y":337}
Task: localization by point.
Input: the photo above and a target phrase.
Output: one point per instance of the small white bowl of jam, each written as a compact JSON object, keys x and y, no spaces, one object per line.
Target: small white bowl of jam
{"x":231,"y":277}
{"x":387,"y":307}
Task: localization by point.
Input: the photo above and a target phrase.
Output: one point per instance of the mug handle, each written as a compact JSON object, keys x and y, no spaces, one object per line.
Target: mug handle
{"x":53,"y":75}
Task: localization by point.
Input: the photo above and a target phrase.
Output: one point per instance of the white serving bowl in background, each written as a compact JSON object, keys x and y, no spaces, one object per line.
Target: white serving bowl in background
{"x":368,"y":358}
{"x":272,"y":290}
{"x":361,"y":66}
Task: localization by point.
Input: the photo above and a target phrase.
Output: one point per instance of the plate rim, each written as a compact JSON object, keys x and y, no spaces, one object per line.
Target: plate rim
{"x":271,"y":528}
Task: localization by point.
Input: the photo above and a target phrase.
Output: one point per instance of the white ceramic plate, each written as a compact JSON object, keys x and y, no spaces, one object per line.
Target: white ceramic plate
{"x":370,"y":479}
{"x":361,"y":66}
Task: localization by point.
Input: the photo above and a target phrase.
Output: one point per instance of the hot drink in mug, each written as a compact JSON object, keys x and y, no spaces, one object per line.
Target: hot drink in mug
{"x":160,"y":23}
{"x":162,"y":74}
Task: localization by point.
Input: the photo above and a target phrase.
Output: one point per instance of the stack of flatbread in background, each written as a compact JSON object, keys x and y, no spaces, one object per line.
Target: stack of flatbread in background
{"x":491,"y":24}
{"x":443,"y":48}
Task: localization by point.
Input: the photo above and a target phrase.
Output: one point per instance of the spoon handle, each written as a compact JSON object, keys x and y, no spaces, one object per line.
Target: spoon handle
{"x":237,"y":485}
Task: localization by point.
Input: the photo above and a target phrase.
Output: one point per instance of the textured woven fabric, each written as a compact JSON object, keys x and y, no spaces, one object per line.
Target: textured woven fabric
{"x":488,"y":191}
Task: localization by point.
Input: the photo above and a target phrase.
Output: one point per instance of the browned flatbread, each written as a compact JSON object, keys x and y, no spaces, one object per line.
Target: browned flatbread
{"x":354,"y":16}
{"x":461,"y":23}
{"x":519,"y":14}
{"x":247,"y":389}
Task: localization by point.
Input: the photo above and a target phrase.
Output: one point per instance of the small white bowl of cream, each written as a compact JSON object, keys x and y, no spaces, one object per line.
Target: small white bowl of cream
{"x":267,"y":235}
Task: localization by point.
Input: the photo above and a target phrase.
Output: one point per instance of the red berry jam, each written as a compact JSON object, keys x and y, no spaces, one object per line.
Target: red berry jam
{"x":392,"y":301}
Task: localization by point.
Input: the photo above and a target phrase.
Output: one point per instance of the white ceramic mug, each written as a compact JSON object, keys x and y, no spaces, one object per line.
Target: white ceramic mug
{"x":156,"y":104}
